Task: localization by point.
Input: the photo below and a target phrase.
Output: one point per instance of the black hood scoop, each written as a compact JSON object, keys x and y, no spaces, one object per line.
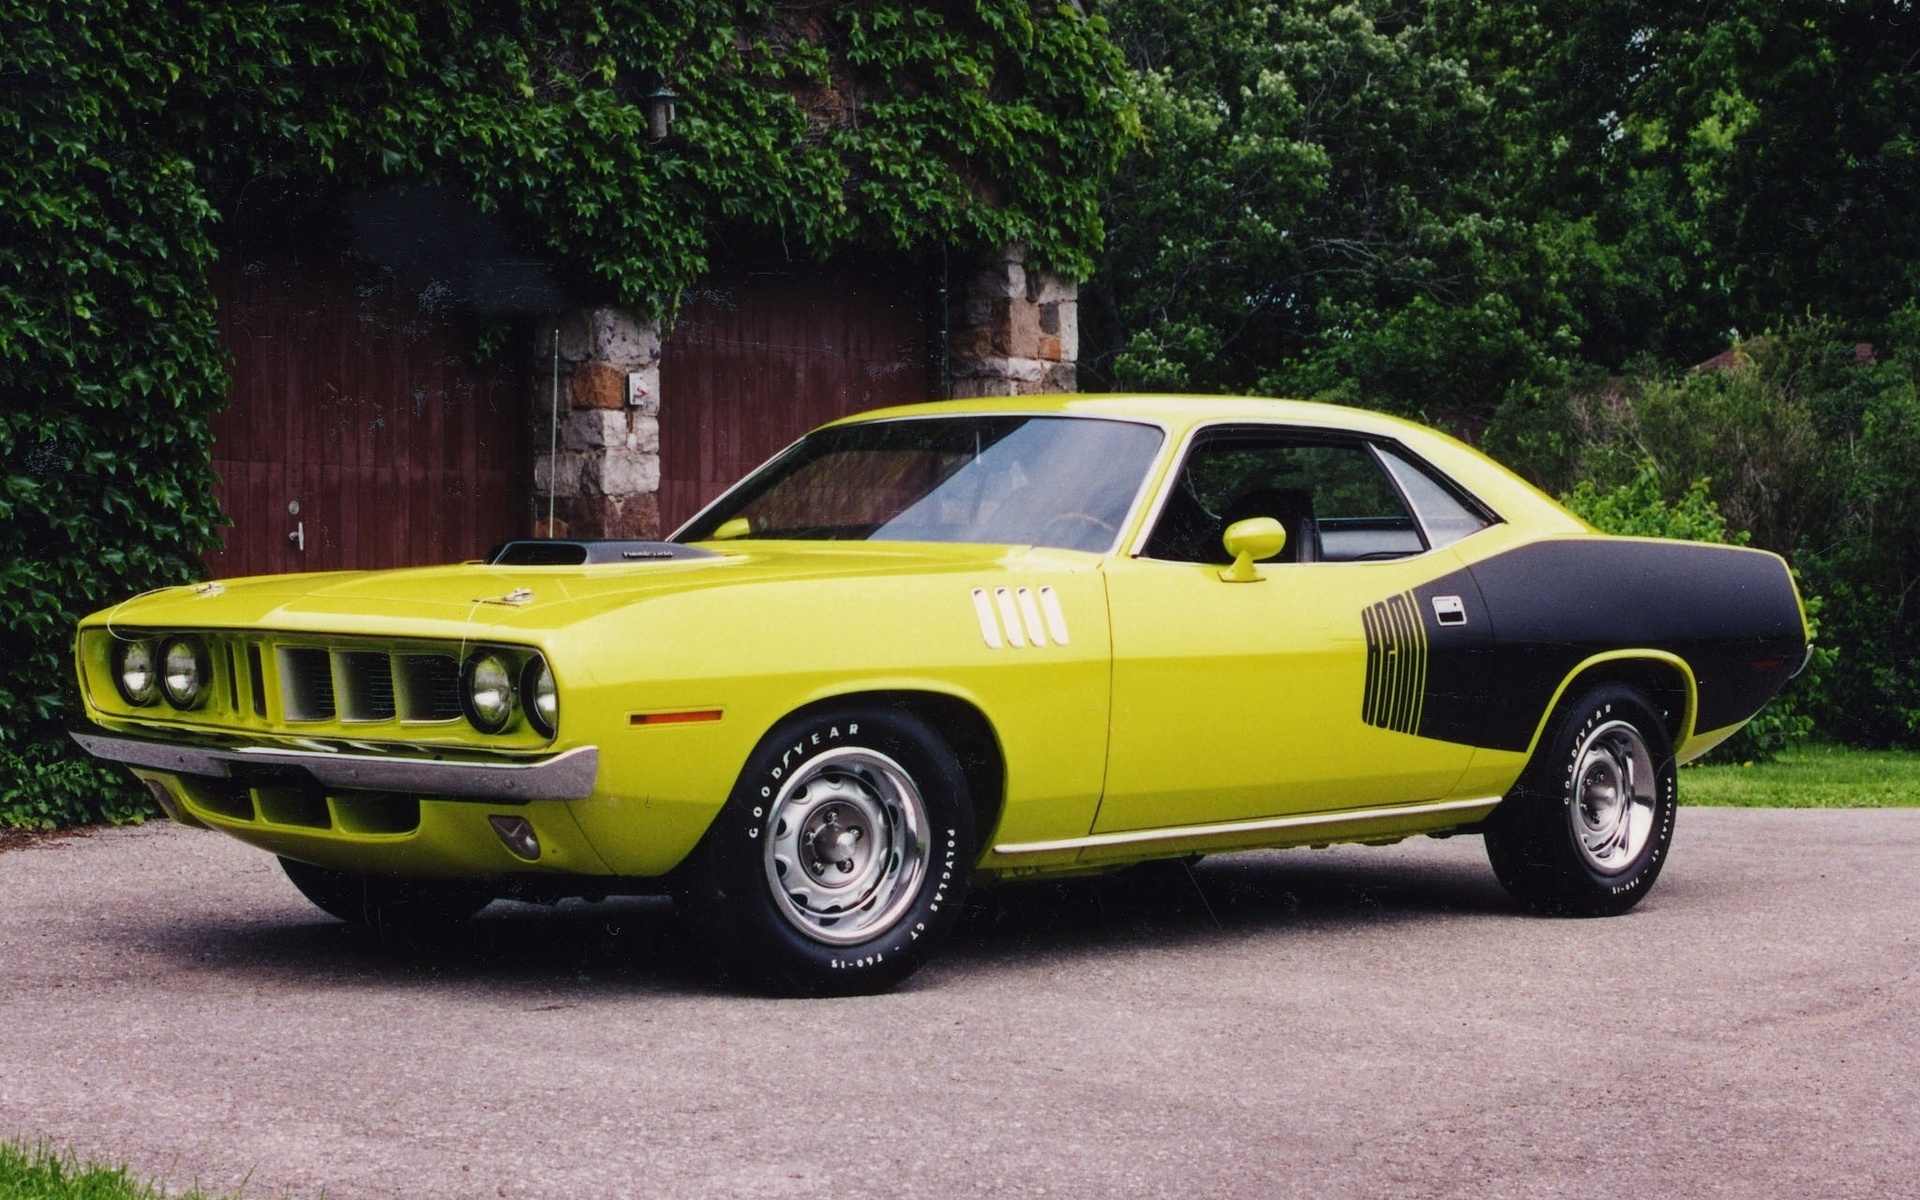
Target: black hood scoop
{"x":572,"y":552}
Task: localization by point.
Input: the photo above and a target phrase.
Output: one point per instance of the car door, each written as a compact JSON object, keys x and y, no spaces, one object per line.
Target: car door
{"x":1347,"y":676}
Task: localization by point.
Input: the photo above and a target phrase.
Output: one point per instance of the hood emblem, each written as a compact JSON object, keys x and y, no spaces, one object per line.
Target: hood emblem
{"x":514,"y":598}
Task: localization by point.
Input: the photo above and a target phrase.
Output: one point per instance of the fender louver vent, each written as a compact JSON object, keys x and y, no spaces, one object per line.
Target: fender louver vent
{"x":1396,"y":664}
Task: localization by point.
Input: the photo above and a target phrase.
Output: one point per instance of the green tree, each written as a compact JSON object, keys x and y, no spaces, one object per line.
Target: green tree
{"x":1330,"y":201}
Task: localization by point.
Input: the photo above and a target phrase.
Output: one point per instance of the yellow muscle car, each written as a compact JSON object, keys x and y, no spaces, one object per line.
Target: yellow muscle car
{"x":934,"y":646}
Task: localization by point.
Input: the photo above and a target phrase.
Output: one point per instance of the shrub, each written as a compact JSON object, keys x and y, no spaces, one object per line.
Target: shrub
{"x":1806,"y":445}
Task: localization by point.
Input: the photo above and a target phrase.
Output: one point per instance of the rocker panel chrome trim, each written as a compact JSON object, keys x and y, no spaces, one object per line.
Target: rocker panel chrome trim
{"x":1239,"y":828}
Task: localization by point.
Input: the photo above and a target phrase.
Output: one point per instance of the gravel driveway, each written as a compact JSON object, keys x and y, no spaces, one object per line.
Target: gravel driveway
{"x":1305,"y":1023}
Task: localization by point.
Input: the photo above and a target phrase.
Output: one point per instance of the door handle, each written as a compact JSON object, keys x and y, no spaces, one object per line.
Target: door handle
{"x":299,"y":537}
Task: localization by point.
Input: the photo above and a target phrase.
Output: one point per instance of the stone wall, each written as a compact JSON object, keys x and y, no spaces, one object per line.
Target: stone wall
{"x":1014,"y":329}
{"x":603,"y":479}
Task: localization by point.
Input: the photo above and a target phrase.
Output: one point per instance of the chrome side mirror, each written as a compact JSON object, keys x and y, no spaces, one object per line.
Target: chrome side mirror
{"x":1248,"y":540}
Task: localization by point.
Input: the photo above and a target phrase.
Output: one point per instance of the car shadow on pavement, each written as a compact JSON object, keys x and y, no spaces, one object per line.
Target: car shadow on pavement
{"x":1179,"y":900}
{"x":625,"y":943}
{"x":629,"y":944}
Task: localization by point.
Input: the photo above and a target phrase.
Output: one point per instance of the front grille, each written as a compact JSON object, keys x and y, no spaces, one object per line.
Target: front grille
{"x":368,"y":685}
{"x":256,"y":680}
{"x":306,"y":683}
{"x":430,"y":686}
{"x":365,"y":686}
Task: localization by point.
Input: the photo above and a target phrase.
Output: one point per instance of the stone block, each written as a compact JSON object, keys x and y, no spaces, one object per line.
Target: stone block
{"x":622,"y":473}
{"x":1046,"y":287}
{"x":558,"y":475}
{"x":967,"y":387}
{"x":598,"y":385}
{"x":622,"y":340}
{"x":543,"y":528}
{"x":1049,"y":347}
{"x":1020,"y":369}
{"x":1060,"y":378}
{"x":645,"y":436}
{"x":576,"y":341}
{"x":1067,"y":317}
{"x":1000,"y":281}
{"x":589,"y":429}
{"x":1020,"y":335}
{"x":613,"y":517}
{"x":968,"y":344}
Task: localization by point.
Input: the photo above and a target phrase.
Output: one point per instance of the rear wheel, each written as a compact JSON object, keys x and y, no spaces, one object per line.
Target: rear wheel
{"x":388,"y":907}
{"x":1587,"y":829}
{"x":841,"y":858}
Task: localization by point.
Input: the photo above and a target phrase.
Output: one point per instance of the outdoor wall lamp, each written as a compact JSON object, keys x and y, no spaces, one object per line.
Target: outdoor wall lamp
{"x":660,"y":111}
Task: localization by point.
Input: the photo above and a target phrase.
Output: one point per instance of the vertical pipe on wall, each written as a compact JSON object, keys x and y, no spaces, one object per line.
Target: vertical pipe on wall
{"x":553,"y":435}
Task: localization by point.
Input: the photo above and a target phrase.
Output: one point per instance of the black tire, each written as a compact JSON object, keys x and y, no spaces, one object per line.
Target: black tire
{"x":1586,"y":830}
{"x":389,"y":908}
{"x":769,"y":903}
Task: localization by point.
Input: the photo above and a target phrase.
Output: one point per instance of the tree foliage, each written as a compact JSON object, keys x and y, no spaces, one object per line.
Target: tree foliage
{"x":1806,"y":447}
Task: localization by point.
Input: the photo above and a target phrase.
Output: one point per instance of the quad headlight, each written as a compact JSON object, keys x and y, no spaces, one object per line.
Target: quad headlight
{"x":487,"y":692}
{"x":540,"y":696}
{"x":495,"y":685}
{"x":135,"y":673}
{"x":183,"y":675}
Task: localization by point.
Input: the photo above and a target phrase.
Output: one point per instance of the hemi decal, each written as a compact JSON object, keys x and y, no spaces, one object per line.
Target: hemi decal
{"x":1396,"y":664}
{"x":1020,"y":617}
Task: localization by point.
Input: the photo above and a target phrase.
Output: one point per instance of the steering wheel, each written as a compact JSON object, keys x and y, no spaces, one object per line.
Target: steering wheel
{"x":1059,"y":526}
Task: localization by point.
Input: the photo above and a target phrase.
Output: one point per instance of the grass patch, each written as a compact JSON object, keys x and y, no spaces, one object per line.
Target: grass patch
{"x":1809,"y":777}
{"x":37,"y":1173}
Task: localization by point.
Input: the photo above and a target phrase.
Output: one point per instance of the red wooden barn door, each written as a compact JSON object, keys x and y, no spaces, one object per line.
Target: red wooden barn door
{"x":359,"y":433}
{"x":754,"y":362}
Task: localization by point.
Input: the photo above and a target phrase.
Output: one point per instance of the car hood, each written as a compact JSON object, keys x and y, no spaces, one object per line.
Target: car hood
{"x":474,"y":598}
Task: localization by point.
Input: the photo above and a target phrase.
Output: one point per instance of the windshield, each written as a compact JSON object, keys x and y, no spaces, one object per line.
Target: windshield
{"x":1007,"y":480}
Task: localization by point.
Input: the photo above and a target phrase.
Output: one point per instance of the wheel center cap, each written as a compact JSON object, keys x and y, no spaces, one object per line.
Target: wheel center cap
{"x":833,"y":848}
{"x":1600,"y":794}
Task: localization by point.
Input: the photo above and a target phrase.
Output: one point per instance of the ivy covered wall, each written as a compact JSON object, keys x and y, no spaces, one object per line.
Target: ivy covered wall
{"x":129,"y":129}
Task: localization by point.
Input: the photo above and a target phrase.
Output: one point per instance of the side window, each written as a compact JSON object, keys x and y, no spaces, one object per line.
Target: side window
{"x":1445,"y":517}
{"x":1333,"y":498}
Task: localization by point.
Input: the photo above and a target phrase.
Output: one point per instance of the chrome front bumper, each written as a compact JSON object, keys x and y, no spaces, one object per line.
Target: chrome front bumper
{"x":566,"y":776}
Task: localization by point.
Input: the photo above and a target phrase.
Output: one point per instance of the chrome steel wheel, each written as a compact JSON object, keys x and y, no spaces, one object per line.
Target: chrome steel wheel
{"x":1615,"y":790}
{"x":846,"y":846}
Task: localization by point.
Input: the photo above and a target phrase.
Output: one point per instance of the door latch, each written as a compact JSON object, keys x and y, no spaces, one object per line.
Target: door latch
{"x":299,"y":537}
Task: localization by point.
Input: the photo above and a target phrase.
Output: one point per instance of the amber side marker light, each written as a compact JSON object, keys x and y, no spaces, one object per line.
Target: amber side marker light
{"x":674,"y":718}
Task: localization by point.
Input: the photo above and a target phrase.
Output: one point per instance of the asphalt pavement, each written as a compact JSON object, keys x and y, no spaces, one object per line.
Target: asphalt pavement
{"x":1333,"y":1023}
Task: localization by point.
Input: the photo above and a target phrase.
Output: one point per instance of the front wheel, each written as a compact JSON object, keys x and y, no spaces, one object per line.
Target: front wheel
{"x":841,"y":858}
{"x":1587,"y":829}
